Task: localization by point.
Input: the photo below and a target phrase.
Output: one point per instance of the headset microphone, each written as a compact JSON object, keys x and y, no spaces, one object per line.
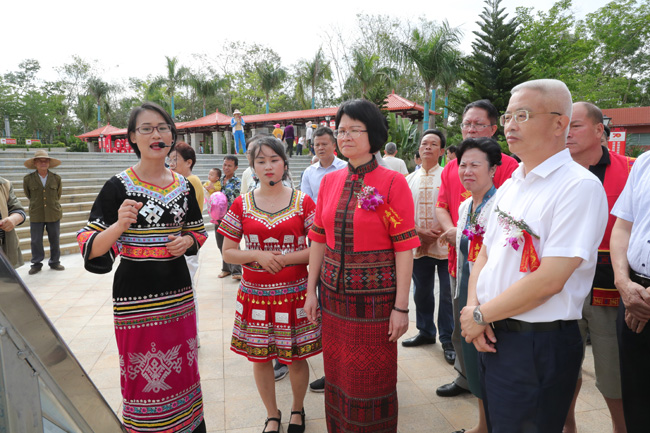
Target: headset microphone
{"x":162,"y":145}
{"x":272,"y":183}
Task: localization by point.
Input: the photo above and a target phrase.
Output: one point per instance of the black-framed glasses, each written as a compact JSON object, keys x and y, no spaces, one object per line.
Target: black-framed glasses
{"x":477,"y":126}
{"x":353,"y":133}
{"x":521,"y":116}
{"x":162,"y":129}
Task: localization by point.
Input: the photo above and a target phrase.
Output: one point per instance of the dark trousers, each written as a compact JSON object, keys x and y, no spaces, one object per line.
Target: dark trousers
{"x":424,"y":271}
{"x":226,"y":267}
{"x":456,"y":339}
{"x":53,"y":234}
{"x":528,"y":384}
{"x":634,"y":351}
{"x":290,"y":147}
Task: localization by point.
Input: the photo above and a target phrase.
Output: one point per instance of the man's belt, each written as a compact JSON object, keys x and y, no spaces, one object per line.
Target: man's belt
{"x":515,"y":325}
{"x":639,"y":279}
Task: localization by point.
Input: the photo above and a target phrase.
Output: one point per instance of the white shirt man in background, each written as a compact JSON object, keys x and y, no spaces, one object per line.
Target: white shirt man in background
{"x":392,"y":161}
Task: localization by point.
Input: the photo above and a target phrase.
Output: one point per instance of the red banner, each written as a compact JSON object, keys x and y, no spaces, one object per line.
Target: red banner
{"x":617,"y":139}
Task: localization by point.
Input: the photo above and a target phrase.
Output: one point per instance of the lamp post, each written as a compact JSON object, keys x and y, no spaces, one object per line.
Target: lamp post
{"x":606,"y":120}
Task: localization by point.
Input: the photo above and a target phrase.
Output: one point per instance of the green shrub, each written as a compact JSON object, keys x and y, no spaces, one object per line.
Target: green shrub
{"x":635,"y":150}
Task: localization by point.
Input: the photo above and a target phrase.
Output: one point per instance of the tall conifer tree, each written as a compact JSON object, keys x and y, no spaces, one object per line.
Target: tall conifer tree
{"x":496,"y":64}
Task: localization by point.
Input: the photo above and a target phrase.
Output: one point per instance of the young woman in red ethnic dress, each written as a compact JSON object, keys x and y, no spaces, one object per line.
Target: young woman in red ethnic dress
{"x":149,"y":216}
{"x":363,"y":257}
{"x":270,"y":321}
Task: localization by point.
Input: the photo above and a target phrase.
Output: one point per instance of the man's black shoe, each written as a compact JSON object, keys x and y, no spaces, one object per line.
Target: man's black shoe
{"x":34,"y":270}
{"x":318,"y":385}
{"x":450,"y":390}
{"x":450,"y":353}
{"x":418,"y":340}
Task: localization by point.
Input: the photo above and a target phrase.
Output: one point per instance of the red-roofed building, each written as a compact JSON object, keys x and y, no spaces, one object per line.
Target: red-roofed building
{"x":634,"y":120}
{"x":105,"y":137}
{"x":406,"y":108}
{"x":196,"y":131}
{"x":104,"y":130}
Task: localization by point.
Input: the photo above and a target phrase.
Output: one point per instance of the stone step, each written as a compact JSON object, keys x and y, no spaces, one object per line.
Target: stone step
{"x":66,"y":227}
{"x":72,"y":247}
{"x":66,"y":198}
{"x":75,"y":216}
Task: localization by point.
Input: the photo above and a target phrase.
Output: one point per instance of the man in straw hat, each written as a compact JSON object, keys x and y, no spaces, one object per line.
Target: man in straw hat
{"x":43,"y":189}
{"x":237,"y":124}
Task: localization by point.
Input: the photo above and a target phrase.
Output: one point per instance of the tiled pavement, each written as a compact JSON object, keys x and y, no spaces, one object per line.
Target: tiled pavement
{"x":79,"y":305}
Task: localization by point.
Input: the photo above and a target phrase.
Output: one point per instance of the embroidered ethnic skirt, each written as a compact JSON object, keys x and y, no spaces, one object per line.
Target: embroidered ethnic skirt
{"x":271,"y":323}
{"x":360,"y":363}
{"x":156,"y":339}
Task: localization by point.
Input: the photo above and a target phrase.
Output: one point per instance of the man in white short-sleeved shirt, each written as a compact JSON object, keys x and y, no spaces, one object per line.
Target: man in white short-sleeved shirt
{"x":532,"y":351}
{"x":630,"y":252}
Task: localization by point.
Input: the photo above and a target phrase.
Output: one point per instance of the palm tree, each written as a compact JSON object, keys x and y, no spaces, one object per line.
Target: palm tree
{"x":426,"y":51}
{"x":315,"y":72}
{"x":300,"y":97}
{"x":99,"y":90}
{"x":451,"y":66}
{"x":367,"y":73}
{"x":205,"y":87}
{"x":176,"y":76}
{"x":85,"y":111}
{"x":271,"y":78}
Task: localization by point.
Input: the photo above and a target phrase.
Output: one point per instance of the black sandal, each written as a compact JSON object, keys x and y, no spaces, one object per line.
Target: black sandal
{"x":297,"y":428}
{"x":278,"y":420}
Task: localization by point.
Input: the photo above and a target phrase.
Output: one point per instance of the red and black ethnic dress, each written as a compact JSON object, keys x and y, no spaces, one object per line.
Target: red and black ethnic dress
{"x":153,"y":305}
{"x":358,"y":288}
{"x":270,"y":321}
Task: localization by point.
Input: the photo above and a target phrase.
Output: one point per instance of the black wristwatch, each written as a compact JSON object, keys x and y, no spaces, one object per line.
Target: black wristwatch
{"x":478,"y":316}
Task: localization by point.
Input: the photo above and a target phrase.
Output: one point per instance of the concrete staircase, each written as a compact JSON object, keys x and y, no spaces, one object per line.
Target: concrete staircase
{"x":84,"y":174}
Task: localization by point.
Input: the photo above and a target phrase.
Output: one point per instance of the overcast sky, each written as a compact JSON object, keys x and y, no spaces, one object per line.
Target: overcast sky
{"x":132,"y":37}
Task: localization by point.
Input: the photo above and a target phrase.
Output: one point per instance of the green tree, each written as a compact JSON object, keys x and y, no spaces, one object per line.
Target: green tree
{"x":404,"y":133}
{"x":85,"y":111}
{"x":99,"y":90}
{"x":449,"y":77}
{"x":369,"y":78}
{"x":315,"y":72}
{"x":205,"y":88}
{"x":271,"y":77}
{"x":74,"y":77}
{"x":175,"y":76}
{"x":426,"y":49}
{"x":603,"y":59}
{"x":497,"y":63}
{"x":621,"y":31}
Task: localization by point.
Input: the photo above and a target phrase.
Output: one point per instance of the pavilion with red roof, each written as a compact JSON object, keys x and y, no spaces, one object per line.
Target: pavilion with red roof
{"x":634,"y":121}
{"x":195,"y":131}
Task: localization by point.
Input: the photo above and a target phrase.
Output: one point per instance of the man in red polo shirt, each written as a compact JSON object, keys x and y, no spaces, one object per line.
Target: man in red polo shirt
{"x":479,"y":120}
{"x":601,"y":306}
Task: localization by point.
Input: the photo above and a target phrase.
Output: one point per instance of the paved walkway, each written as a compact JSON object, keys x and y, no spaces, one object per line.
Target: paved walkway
{"x":79,"y":305}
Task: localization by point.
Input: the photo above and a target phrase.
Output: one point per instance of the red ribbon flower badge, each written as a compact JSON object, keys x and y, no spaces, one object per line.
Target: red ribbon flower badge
{"x":474,"y":234}
{"x":519,"y":233}
{"x":369,"y":199}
